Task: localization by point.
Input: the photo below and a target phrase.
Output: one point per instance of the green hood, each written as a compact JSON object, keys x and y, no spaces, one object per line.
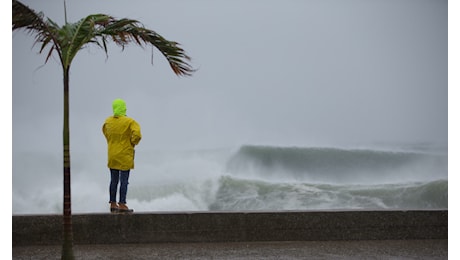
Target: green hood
{"x":119,"y":107}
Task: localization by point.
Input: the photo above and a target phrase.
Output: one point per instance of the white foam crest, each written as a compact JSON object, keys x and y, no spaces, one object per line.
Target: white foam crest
{"x":174,"y":202}
{"x":174,"y":181}
{"x":38,"y":201}
{"x":89,"y":197}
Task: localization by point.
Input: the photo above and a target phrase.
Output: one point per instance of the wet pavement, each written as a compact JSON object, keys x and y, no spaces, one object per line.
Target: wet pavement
{"x":361,"y":249}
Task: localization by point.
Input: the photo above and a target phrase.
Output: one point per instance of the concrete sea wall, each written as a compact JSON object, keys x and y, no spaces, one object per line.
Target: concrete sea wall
{"x":232,"y":227}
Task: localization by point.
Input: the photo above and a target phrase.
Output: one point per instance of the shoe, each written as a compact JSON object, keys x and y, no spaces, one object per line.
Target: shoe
{"x":122,"y":208}
{"x":113,"y":207}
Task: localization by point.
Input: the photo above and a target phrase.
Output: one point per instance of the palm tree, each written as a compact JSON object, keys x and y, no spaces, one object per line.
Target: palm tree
{"x":66,"y":41}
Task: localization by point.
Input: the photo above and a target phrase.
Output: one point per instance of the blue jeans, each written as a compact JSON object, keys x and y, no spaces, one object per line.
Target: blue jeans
{"x":122,"y":176}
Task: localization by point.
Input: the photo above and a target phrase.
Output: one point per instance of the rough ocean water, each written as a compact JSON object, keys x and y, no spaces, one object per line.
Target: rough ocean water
{"x":250,"y":177}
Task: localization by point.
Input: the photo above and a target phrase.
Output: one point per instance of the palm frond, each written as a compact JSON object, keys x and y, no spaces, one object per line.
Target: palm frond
{"x":75,"y":36}
{"x":27,"y":19}
{"x":125,"y":31}
{"x":24,"y":17}
{"x":97,"y":29}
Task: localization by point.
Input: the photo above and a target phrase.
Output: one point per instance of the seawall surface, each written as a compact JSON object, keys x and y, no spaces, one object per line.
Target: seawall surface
{"x":148,"y":227}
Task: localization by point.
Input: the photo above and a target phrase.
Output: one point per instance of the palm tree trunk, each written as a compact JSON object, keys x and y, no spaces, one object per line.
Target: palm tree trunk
{"x":67,"y":250}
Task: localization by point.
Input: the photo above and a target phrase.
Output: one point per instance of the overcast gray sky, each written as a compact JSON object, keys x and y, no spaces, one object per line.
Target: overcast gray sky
{"x":269,"y":72}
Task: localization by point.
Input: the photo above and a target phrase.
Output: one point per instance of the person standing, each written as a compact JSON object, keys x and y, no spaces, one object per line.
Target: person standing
{"x":122,"y":134}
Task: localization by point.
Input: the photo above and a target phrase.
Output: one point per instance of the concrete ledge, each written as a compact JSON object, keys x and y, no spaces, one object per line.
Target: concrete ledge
{"x":233,"y":227}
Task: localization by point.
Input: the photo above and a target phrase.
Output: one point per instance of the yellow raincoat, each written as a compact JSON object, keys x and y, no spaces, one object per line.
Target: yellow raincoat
{"x":122,"y":134}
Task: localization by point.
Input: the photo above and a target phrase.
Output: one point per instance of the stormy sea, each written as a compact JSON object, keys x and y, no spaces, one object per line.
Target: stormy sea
{"x":245,"y":178}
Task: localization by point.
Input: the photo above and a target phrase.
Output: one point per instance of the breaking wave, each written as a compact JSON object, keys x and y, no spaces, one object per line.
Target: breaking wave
{"x":333,"y":165}
{"x":249,"y":178}
{"x":239,"y":194}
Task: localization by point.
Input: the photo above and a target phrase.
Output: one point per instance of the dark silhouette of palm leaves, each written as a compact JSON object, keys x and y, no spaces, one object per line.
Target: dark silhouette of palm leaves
{"x":97,"y":29}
